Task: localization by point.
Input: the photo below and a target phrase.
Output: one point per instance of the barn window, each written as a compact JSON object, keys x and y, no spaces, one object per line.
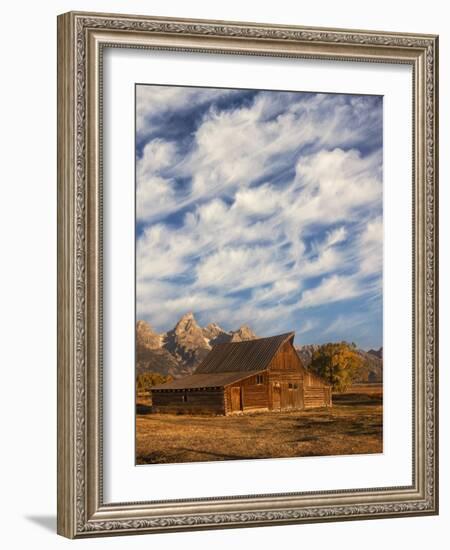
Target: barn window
{"x":290,"y":386}
{"x":184,"y":398}
{"x":259,"y":379}
{"x":295,"y":386}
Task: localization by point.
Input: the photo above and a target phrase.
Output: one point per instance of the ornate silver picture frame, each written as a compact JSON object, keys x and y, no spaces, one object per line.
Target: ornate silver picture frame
{"x":82,"y":40}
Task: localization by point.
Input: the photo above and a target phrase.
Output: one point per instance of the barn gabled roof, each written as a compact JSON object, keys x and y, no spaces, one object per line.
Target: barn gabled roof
{"x":229,"y":362}
{"x":246,"y":356}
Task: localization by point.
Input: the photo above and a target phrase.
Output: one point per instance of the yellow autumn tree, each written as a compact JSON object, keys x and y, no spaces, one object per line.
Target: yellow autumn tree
{"x":146,"y":380}
{"x":337,"y":363}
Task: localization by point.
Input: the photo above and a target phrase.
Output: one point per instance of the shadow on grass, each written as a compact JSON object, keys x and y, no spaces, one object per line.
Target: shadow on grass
{"x":143,"y":409}
{"x":364,"y":429}
{"x":312,"y":424}
{"x":351,"y":399}
{"x":345,"y":425}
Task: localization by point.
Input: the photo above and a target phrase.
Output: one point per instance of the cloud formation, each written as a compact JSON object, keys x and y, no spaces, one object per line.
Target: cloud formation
{"x":260,"y":207}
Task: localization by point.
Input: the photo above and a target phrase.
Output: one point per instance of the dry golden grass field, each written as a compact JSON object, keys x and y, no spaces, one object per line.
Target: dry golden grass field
{"x":352,"y":426}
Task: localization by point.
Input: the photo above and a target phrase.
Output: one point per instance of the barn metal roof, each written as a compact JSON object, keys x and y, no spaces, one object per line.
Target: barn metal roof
{"x":229,"y":362}
{"x":246,"y":356}
{"x":196,"y":381}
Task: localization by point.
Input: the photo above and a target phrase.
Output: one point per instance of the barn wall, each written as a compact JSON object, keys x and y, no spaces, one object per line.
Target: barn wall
{"x":316,"y":392}
{"x":208,"y":401}
{"x":312,"y":379}
{"x":291,"y":386}
{"x":286,"y":359}
{"x":317,"y":396}
{"x":286,"y":380}
{"x":253,"y":395}
{"x":286,"y":392}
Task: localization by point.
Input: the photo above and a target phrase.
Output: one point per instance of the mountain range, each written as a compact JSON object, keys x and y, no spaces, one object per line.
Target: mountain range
{"x":178,"y":351}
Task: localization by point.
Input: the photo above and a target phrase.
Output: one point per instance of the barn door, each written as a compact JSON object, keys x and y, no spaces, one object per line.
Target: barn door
{"x":236,"y":401}
{"x":296,"y":395}
{"x":285,"y":397}
{"x":291,"y":396}
{"x":276,"y":397}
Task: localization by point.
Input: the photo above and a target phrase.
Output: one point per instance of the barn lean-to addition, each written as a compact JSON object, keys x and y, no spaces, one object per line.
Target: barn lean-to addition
{"x":261,"y":374}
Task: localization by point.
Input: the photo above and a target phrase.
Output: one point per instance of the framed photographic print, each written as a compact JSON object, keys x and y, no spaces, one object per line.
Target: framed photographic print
{"x":247,"y":286}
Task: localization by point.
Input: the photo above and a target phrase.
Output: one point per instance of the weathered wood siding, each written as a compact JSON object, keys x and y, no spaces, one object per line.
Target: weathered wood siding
{"x":313,"y":380}
{"x":285,"y":380}
{"x":316,"y":392}
{"x":253,"y":394}
{"x":206,"y":401}
{"x":291,"y":386}
{"x":317,"y":396}
{"x":286,"y":360}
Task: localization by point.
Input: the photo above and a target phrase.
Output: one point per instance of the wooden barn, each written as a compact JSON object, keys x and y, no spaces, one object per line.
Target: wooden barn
{"x":261,"y":374}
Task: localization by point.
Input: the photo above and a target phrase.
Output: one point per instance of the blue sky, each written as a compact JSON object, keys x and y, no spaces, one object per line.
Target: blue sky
{"x":261,"y":208}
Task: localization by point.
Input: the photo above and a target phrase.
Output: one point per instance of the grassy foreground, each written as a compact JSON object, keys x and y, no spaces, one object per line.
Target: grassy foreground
{"x":352,"y":426}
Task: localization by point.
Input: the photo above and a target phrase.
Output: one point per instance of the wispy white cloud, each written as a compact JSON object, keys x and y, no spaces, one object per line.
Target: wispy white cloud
{"x":371,"y":247}
{"x":155,"y":102}
{"x":238,"y":268}
{"x":278,"y":291}
{"x":342,"y":324}
{"x":156,"y":156}
{"x":307,"y":326}
{"x":275,"y":208}
{"x":335,"y":184}
{"x":331,"y":289}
